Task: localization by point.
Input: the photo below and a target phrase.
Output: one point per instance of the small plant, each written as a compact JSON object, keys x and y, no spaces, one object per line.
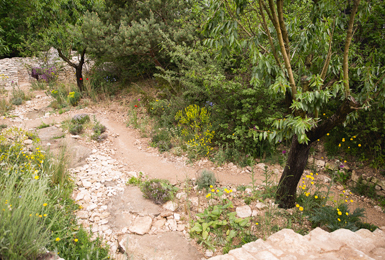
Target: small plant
{"x":162,"y":140}
{"x":206,"y":179}
{"x":337,"y":217}
{"x":157,"y":190}
{"x":76,"y":129}
{"x":17,"y":101}
{"x":364,"y":189}
{"x":43,"y":125}
{"x":80,"y":119}
{"x":74,"y":98}
{"x":98,"y":130}
{"x":3,"y":126}
{"x":137,"y":181}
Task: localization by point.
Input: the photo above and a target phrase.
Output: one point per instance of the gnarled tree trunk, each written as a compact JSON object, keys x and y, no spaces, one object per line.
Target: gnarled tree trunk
{"x":78,"y":67}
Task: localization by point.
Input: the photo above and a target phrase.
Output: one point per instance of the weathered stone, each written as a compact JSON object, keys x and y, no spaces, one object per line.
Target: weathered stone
{"x":169,"y":205}
{"x":243,"y":212}
{"x":194,"y":201}
{"x":241,"y":253}
{"x":82,"y":214}
{"x":260,"y":205}
{"x":141,"y":225}
{"x":159,"y":223}
{"x":355,"y":177}
{"x":171,"y":223}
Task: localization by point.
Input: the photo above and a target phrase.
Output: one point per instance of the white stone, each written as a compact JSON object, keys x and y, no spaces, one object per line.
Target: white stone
{"x":82,"y":214}
{"x":243,"y":212}
{"x":92,"y":207}
{"x":171,"y":223}
{"x":176,"y":216}
{"x":141,"y":225}
{"x":260,"y":205}
{"x":169,"y":205}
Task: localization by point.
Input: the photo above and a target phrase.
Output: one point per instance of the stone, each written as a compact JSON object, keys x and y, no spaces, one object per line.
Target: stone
{"x":169,"y":205}
{"x":241,"y":253}
{"x":331,"y":166}
{"x":141,"y":225}
{"x":243,"y":212}
{"x":355,"y":176}
{"x":171,"y":223}
{"x":194,"y":201}
{"x":353,"y":240}
{"x":28,"y":141}
{"x":260,"y":205}
{"x":209,"y":253}
{"x":176,"y":216}
{"x":181,"y":227}
{"x":159,"y":223}
{"x":92,"y":207}
{"x":289,"y":241}
{"x":82,"y":214}
{"x":181,"y":196}
{"x":254,"y":213}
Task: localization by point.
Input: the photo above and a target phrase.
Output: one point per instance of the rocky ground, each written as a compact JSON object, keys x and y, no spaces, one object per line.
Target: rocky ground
{"x":135,"y":227}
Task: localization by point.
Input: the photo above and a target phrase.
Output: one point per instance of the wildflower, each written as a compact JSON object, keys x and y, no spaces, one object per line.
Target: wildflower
{"x":40,"y":216}
{"x":57,"y":239}
{"x":86,"y":78}
{"x":45,"y":204}
{"x":359,"y":145}
{"x":211,"y":186}
{"x":81,"y":79}
{"x":342,"y":166}
{"x":212,"y":190}
{"x":217,"y":190}
{"x":231,"y":190}
{"x":317,"y":140}
{"x":136,"y":106}
{"x":343,"y":139}
{"x":316,"y":196}
{"x":297,"y":205}
{"x":351,"y":139}
{"x":339,"y":145}
{"x":36,"y":177}
{"x":45,"y":215}
{"x":327,"y":134}
{"x":257,"y":223}
{"x":339,"y":219}
{"x":347,"y":214}
{"x":283,"y":151}
{"x":312,"y":183}
{"x":76,"y":240}
{"x":348,"y":147}
{"x":30,"y":215}
{"x":157,"y":100}
{"x":344,"y":161}
{"x":339,"y":213}
{"x":354,"y":136}
{"x":208,"y":195}
{"x":323,"y":113}
{"x":300,"y":208}
{"x":351,"y":200}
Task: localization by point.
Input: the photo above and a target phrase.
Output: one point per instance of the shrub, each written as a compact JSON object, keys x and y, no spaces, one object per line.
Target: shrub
{"x":157,"y":190}
{"x":337,"y":217}
{"x":74,"y":98}
{"x":80,"y":119}
{"x":205,"y":179}
{"x":17,"y":101}
{"x":76,"y":129}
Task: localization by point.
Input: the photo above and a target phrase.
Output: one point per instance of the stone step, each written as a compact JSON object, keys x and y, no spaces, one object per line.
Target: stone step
{"x":318,"y":244}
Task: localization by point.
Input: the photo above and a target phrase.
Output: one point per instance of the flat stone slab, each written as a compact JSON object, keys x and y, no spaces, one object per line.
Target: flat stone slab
{"x":164,"y":246}
{"x":141,"y":225}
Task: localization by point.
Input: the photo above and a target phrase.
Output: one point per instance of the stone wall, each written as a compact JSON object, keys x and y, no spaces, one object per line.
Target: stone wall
{"x":18,"y":69}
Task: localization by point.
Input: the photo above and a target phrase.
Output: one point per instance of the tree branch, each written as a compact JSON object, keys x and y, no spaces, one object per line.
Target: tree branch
{"x":61,"y":55}
{"x":283,"y":49}
{"x":329,"y":56}
{"x":282,"y":25}
{"x":348,"y":40}
{"x":264,"y":24}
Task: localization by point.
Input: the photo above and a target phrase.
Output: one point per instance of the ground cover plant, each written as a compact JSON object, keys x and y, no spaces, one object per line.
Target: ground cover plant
{"x":36,"y":209}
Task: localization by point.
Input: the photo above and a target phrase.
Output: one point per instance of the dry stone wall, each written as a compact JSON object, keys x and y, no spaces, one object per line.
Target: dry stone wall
{"x":18,"y":69}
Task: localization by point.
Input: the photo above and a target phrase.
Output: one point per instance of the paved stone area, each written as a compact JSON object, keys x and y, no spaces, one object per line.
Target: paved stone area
{"x":318,"y":244}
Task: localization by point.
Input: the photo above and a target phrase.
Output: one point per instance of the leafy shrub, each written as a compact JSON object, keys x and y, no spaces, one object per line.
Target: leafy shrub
{"x":157,"y":190}
{"x":337,"y":217}
{"x":74,"y":98}
{"x":206,"y":179}
{"x":80,"y":119}
{"x":3,"y":126}
{"x":76,"y":129}
{"x":98,"y":130}
{"x":362,"y":188}
{"x":47,"y":74}
{"x":162,"y":140}
{"x":17,"y":101}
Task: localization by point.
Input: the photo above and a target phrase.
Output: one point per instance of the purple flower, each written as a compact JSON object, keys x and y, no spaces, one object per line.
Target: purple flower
{"x":138,"y":99}
{"x":284,"y":151}
{"x":342,"y":166}
{"x":255,"y":127}
{"x":279,"y":141}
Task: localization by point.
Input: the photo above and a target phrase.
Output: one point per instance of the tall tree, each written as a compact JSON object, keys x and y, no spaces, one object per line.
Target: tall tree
{"x":306,"y":53}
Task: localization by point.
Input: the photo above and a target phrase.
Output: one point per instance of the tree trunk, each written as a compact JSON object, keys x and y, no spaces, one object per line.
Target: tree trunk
{"x":295,"y":165}
{"x":79,"y":78}
{"x":77,"y":67}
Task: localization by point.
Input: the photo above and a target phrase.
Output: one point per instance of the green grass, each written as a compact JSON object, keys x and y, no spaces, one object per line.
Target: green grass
{"x":36,"y":209}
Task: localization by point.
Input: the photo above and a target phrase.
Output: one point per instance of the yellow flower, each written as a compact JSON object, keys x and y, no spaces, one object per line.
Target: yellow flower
{"x":347,"y":213}
{"x":311,"y":173}
{"x":344,"y":161}
{"x":76,"y":240}
{"x":327,"y":134}
{"x":339,"y":219}
{"x":339,"y":145}
{"x":212,"y":190}
{"x":57,"y":239}
{"x":316,"y":196}
{"x":312,"y":183}
{"x":317,"y":140}
{"x":211,"y":186}
{"x":45,"y":215}
{"x":359,"y":145}
{"x":45,"y":204}
{"x":297,"y":205}
{"x":354,"y":136}
{"x":351,"y":200}
{"x":208,"y":195}
{"x":257,"y":223}
{"x":36,"y":177}
{"x":231,"y":190}
{"x":323,"y":113}
{"x":217,"y":190}
{"x":343,"y":139}
{"x":351,"y":139}
{"x":339,"y":213}
{"x":40,"y":216}
{"x":300,"y":208}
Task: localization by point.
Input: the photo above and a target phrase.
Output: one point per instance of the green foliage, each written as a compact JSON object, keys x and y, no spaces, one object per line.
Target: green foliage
{"x":17,"y":101}
{"x":162,"y":140}
{"x":98,"y":130}
{"x":43,"y":125}
{"x":38,"y":210}
{"x":157,"y":190}
{"x":206,"y":179}
{"x":74,"y":98}
{"x":364,"y":188}
{"x":218,"y":226}
{"x":137,"y":181}
{"x":341,"y":176}
{"x":80,"y":119}
{"x":337,"y":217}
{"x":76,"y":129}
